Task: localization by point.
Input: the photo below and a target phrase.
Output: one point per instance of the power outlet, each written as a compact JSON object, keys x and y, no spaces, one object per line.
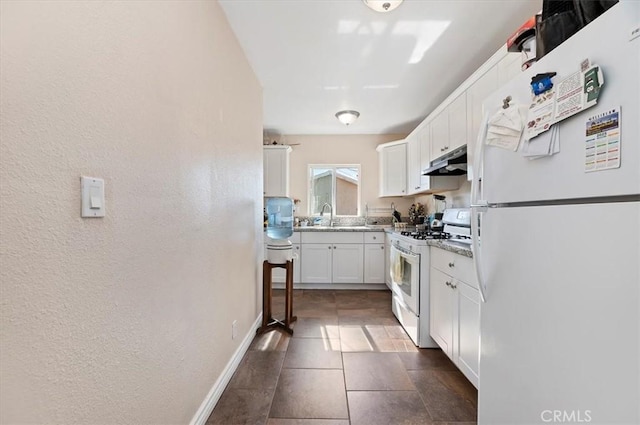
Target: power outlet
{"x":234,"y":329}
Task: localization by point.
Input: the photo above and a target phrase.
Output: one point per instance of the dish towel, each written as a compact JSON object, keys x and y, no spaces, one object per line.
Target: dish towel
{"x":398,"y":267}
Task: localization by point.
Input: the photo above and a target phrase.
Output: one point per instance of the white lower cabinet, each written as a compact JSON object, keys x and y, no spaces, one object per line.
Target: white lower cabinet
{"x":441,"y":310}
{"x":375,"y":257}
{"x":318,"y":265}
{"x":348,"y":263}
{"x":332,"y":257}
{"x":455,"y":310}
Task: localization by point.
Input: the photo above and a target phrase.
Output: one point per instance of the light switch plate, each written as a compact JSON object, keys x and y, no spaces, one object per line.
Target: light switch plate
{"x":92,"y":196}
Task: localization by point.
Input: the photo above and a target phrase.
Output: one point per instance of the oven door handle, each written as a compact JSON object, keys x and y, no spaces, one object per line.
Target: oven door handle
{"x":404,"y":251}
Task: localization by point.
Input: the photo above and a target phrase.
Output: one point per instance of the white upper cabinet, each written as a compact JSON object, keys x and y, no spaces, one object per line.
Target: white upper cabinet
{"x":457,"y":123}
{"x":276,"y":170}
{"x":449,"y":128}
{"x":476,"y":94}
{"x":414,"y":172}
{"x":420,"y":158}
{"x":439,"y":134}
{"x":392,"y":160}
{"x":508,"y":67}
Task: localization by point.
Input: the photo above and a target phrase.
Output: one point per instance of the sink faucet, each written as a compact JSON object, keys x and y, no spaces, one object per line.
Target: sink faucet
{"x":326,"y":204}
{"x":366,"y":213}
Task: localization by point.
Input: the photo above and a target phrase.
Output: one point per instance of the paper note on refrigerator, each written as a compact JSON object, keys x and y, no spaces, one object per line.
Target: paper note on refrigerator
{"x":602,"y":142}
{"x":505,"y":127}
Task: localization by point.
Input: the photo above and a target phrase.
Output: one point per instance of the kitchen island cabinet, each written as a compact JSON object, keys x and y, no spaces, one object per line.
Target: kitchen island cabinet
{"x":455,"y":310}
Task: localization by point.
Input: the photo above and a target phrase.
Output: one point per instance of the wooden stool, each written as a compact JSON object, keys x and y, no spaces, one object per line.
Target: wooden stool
{"x":268,"y":322}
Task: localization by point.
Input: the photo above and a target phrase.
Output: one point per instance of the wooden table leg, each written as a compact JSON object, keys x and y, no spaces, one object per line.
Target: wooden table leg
{"x":289,"y":317}
{"x":266,"y":293}
{"x":268,"y":322}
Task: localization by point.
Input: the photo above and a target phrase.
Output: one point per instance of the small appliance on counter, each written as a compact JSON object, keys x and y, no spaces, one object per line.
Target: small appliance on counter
{"x":279,"y":212}
{"x":435,"y":218}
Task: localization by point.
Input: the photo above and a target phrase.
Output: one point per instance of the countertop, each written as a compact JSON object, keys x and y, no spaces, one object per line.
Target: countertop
{"x":457,"y":248}
{"x":370,"y":228}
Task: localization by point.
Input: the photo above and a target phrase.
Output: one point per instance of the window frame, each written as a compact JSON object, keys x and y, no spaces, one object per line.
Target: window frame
{"x":333,"y":168}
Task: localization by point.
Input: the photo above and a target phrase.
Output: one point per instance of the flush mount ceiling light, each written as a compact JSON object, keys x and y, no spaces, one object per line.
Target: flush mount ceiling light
{"x":382,"y":5}
{"x":347,"y":117}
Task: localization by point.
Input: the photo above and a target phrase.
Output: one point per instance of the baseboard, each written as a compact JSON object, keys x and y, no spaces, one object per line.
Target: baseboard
{"x":205,"y":409}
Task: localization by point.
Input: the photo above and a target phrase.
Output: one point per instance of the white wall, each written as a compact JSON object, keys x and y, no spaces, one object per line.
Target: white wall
{"x":125,"y":319}
{"x":347,"y":149}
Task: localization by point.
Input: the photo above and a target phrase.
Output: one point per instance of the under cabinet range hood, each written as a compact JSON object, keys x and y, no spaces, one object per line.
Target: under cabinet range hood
{"x":451,"y":164}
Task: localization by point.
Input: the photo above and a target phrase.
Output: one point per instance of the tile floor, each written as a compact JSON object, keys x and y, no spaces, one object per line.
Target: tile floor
{"x":348,"y":362}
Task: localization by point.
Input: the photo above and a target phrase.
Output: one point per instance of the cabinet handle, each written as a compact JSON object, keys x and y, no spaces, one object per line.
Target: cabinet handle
{"x":453,"y":286}
{"x":374,"y":238}
{"x":417,"y":187}
{"x":382,"y":247}
{"x":451,"y":264}
{"x":329,"y":247}
{"x":447,"y":283}
{"x":446,"y":148}
{"x":334,"y":247}
{"x":441,"y":149}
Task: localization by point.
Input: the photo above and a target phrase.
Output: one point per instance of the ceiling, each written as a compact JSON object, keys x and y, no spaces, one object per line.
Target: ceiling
{"x":317,"y":57}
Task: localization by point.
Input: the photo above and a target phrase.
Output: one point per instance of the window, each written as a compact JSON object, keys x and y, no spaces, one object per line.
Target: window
{"x":336,"y":185}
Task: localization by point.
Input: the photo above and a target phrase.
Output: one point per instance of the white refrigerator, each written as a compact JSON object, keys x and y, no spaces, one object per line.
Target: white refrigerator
{"x":558,"y":252}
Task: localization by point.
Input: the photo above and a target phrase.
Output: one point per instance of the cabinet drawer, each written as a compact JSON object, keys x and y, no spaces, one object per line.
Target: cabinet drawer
{"x":455,"y":265}
{"x":373,"y":237}
{"x":332,"y":237}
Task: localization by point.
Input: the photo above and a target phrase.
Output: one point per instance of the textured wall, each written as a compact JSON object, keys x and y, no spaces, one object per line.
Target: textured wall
{"x":125,"y":319}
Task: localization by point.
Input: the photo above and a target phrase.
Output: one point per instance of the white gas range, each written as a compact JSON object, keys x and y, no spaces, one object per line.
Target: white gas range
{"x":409,"y":269}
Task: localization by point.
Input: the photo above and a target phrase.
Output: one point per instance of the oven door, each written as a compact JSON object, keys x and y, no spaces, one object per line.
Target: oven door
{"x":405,"y":276}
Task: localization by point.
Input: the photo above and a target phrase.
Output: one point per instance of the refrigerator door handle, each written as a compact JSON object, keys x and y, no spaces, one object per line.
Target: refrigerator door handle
{"x":477,"y":251}
{"x":478,"y":206}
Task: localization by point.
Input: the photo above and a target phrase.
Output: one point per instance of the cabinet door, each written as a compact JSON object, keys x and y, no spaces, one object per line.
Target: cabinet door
{"x":467,"y":331}
{"x":276,"y":171}
{"x":414,"y":173}
{"x":441,"y":310}
{"x":348,"y":263}
{"x":315,"y":266}
{"x":508,"y":68}
{"x":297,"y":262}
{"x":476,"y":94}
{"x":393,"y":174}
{"x":424,"y":138}
{"x":439,"y":134}
{"x":457,"y":123}
{"x":387,"y":260}
{"x":374,"y":263}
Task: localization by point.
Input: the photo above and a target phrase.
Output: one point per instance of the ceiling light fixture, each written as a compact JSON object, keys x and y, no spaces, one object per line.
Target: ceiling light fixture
{"x":382,"y":5}
{"x":347,"y":117}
